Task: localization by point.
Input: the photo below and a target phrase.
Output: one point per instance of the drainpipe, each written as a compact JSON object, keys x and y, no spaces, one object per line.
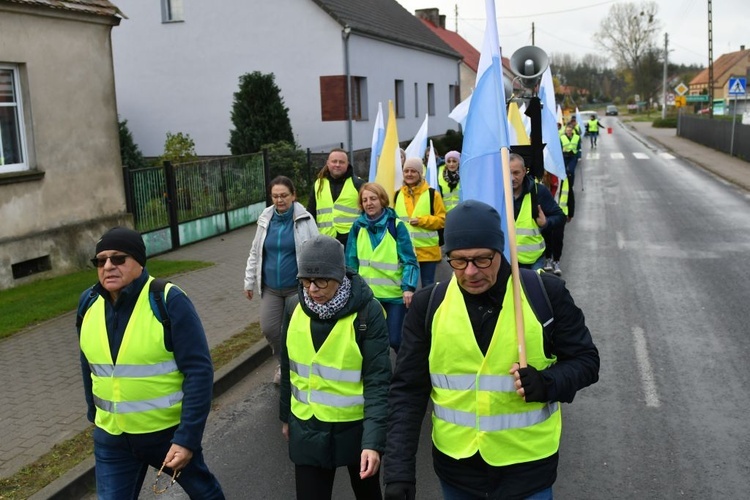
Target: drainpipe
{"x":345,"y":35}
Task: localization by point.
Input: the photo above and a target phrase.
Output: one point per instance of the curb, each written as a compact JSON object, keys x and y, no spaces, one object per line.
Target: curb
{"x":80,"y":480}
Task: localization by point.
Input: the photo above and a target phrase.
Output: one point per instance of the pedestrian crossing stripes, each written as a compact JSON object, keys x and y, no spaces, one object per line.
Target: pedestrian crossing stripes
{"x":621,"y":156}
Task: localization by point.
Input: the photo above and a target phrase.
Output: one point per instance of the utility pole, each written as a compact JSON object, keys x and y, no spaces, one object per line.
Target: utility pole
{"x":664,"y":80}
{"x":710,"y":63}
{"x":456,"y":11}
{"x":532,"y":34}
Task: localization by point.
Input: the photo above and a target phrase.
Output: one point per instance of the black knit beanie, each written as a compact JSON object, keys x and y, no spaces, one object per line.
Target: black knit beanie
{"x":473,"y":224}
{"x":125,"y":240}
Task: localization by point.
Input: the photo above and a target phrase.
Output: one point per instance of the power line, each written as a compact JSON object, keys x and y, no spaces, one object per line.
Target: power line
{"x":545,"y":13}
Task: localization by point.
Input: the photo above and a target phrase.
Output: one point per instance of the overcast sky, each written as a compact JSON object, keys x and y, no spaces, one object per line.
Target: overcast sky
{"x":568,"y":26}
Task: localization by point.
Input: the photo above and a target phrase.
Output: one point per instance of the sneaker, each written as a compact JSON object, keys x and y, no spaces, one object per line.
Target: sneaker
{"x":556,"y":268}
{"x":277,"y":375}
{"x":547,"y":266}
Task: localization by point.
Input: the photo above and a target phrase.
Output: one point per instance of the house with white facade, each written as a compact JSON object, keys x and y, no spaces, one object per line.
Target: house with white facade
{"x":61,"y":182}
{"x":178,"y":64}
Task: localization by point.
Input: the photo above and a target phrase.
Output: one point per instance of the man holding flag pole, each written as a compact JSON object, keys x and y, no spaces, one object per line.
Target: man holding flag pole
{"x":495,"y":359}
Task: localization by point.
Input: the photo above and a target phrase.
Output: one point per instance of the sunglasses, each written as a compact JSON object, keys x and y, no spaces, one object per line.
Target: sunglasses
{"x":117,"y":260}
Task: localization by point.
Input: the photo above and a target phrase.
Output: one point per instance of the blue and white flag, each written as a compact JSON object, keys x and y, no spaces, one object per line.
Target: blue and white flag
{"x":418,"y":146}
{"x":553,"y":157}
{"x":460,"y":112}
{"x":378,"y":136}
{"x":486,"y":129}
{"x":432,"y":177}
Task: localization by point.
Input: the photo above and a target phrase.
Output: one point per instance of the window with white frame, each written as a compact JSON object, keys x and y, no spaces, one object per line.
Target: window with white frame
{"x":171,"y":11}
{"x":12,"y":140}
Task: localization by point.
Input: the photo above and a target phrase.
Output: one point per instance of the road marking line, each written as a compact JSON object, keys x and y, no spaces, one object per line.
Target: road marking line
{"x":644,"y":366}
{"x":666,"y":156}
{"x":641,"y":156}
{"x":617,"y":156}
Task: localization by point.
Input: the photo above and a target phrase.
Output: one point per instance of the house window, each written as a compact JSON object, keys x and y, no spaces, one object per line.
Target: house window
{"x":12,"y":140}
{"x":431,"y":99}
{"x":399,"y":98}
{"x":359,"y":98}
{"x":416,"y":100}
{"x":452,"y":96}
{"x":171,"y":11}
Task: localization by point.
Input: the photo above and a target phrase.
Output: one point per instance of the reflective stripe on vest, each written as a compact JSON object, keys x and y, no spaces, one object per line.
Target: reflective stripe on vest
{"x":326,"y":384}
{"x":476,"y":410}
{"x":420,"y":236}
{"x":379,"y":266}
{"x":529,"y":240}
{"x":142,"y":392}
{"x":335,"y":217}
{"x":450,"y":198}
{"x":562,"y":194}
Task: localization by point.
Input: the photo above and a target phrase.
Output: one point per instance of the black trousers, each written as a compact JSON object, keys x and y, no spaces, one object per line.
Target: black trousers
{"x":316,"y":483}
{"x":553,"y":240}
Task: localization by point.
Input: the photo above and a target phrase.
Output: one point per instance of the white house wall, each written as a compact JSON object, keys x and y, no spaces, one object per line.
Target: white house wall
{"x":181,"y":77}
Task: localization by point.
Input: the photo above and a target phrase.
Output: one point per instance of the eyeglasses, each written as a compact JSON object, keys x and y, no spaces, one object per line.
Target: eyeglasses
{"x":461,"y":263}
{"x":319,"y":282}
{"x":117,"y":260}
{"x":157,"y":488}
{"x":281,"y":196}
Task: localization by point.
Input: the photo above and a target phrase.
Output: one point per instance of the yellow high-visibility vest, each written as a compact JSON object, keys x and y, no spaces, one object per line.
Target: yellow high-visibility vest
{"x":420,"y":236}
{"x":142,"y":392}
{"x":326,"y":384}
{"x":475,"y":404}
{"x":529,"y":240}
{"x":450,"y":198}
{"x":335,"y":217}
{"x":379,"y":266}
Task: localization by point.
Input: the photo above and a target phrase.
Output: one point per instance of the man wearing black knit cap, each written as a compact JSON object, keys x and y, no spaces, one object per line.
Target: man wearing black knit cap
{"x":147,"y":385}
{"x":495,"y":428}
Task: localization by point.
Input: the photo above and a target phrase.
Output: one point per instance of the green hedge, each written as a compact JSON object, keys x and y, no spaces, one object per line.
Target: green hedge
{"x":669,"y":122}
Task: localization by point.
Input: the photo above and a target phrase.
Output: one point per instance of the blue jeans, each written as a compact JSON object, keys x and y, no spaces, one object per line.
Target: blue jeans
{"x":451,"y":492}
{"x":427,"y":273}
{"x":535,"y":266}
{"x":395,"y":314}
{"x":122,"y":463}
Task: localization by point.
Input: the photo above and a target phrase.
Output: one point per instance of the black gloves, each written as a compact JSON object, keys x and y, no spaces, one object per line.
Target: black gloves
{"x":533,"y":385}
{"x":400,"y":491}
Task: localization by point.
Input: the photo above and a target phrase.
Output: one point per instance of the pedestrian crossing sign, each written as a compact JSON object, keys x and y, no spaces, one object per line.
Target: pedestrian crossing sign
{"x":737,"y":85}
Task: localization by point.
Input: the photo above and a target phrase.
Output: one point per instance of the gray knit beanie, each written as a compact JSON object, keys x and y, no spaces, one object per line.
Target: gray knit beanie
{"x":473,"y":224}
{"x":322,"y":257}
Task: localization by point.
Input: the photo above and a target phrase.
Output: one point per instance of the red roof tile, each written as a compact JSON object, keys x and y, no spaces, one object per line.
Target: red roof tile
{"x":457,"y":43}
{"x":721,"y":68}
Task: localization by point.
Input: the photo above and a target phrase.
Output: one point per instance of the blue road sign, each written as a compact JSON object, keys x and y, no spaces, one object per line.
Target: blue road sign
{"x":737,"y":85}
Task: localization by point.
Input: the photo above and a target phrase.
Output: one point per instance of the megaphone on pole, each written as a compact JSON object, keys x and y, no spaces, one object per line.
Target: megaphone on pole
{"x":529,"y":63}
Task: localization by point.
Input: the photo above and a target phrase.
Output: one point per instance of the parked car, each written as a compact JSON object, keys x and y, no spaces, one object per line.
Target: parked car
{"x":612,"y":110}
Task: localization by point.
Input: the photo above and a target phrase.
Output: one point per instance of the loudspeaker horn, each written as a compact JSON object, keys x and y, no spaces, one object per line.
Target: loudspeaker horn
{"x":529,"y":63}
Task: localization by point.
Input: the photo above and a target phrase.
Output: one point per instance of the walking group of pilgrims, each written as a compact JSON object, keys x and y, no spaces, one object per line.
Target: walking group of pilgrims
{"x":347,"y":285}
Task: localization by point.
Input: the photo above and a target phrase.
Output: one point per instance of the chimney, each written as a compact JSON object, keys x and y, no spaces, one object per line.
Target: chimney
{"x":432,"y":15}
{"x":742,"y":47}
{"x":442,"y":21}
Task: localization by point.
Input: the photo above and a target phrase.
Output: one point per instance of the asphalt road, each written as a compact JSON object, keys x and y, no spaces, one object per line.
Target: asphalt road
{"x":655,"y":257}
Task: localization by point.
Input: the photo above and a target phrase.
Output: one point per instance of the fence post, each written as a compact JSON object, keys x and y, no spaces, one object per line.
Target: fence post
{"x":128,"y":185}
{"x":224,"y":197}
{"x":266,"y":177}
{"x":174,"y":227}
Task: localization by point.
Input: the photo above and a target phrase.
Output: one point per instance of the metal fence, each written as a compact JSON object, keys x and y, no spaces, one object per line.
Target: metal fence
{"x":716,"y":134}
{"x":177,"y":204}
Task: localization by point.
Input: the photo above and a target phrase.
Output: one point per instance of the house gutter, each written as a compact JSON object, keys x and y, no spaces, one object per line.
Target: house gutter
{"x":345,"y":35}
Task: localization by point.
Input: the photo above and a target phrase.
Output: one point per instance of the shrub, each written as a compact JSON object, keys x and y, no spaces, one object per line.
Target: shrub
{"x":285,"y":159}
{"x":668,"y":122}
{"x":178,"y":148}
{"x":130,"y":155}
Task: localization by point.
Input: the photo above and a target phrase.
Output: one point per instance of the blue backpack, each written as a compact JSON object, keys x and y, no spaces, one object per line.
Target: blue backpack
{"x":155,"y":299}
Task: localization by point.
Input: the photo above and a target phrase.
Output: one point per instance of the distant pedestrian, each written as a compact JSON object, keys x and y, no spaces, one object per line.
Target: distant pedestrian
{"x":449,"y":180}
{"x":271,"y":268}
{"x":381,"y":251}
{"x":422,"y":209}
{"x":333,"y":201}
{"x":592,"y":130}
{"x":147,"y":386}
{"x":335,"y":372}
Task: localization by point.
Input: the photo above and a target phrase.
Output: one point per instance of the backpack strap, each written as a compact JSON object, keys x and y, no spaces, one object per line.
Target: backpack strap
{"x":534,"y":202}
{"x":538,"y":300}
{"x":391,"y":226}
{"x":437,"y":294}
{"x":84,"y":305}
{"x":158,"y":306}
{"x":432,"y":201}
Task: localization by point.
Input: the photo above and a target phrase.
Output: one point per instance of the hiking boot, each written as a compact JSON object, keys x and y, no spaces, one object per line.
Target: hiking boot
{"x":547,"y":266}
{"x":556,"y":268}
{"x":277,"y":375}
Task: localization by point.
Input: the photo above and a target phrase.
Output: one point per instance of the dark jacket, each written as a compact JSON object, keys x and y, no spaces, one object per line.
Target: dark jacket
{"x":552,"y":211}
{"x":336,"y":186}
{"x":330,"y":445}
{"x":188,"y":344}
{"x":577,"y":366}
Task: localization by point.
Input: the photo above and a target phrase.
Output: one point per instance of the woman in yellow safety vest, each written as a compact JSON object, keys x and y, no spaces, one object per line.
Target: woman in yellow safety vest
{"x":335,"y":374}
{"x":450,"y":181}
{"x":380,"y":249}
{"x":423,"y":211}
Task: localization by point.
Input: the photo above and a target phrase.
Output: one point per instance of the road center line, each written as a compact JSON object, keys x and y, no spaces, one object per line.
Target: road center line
{"x":644,"y":366}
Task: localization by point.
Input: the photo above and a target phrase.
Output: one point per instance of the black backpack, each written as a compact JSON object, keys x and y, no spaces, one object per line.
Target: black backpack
{"x":155,"y":299}
{"x":532,"y":285}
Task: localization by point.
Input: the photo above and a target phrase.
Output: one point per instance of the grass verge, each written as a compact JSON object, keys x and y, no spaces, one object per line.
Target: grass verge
{"x":32,"y":303}
{"x":68,"y":454}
